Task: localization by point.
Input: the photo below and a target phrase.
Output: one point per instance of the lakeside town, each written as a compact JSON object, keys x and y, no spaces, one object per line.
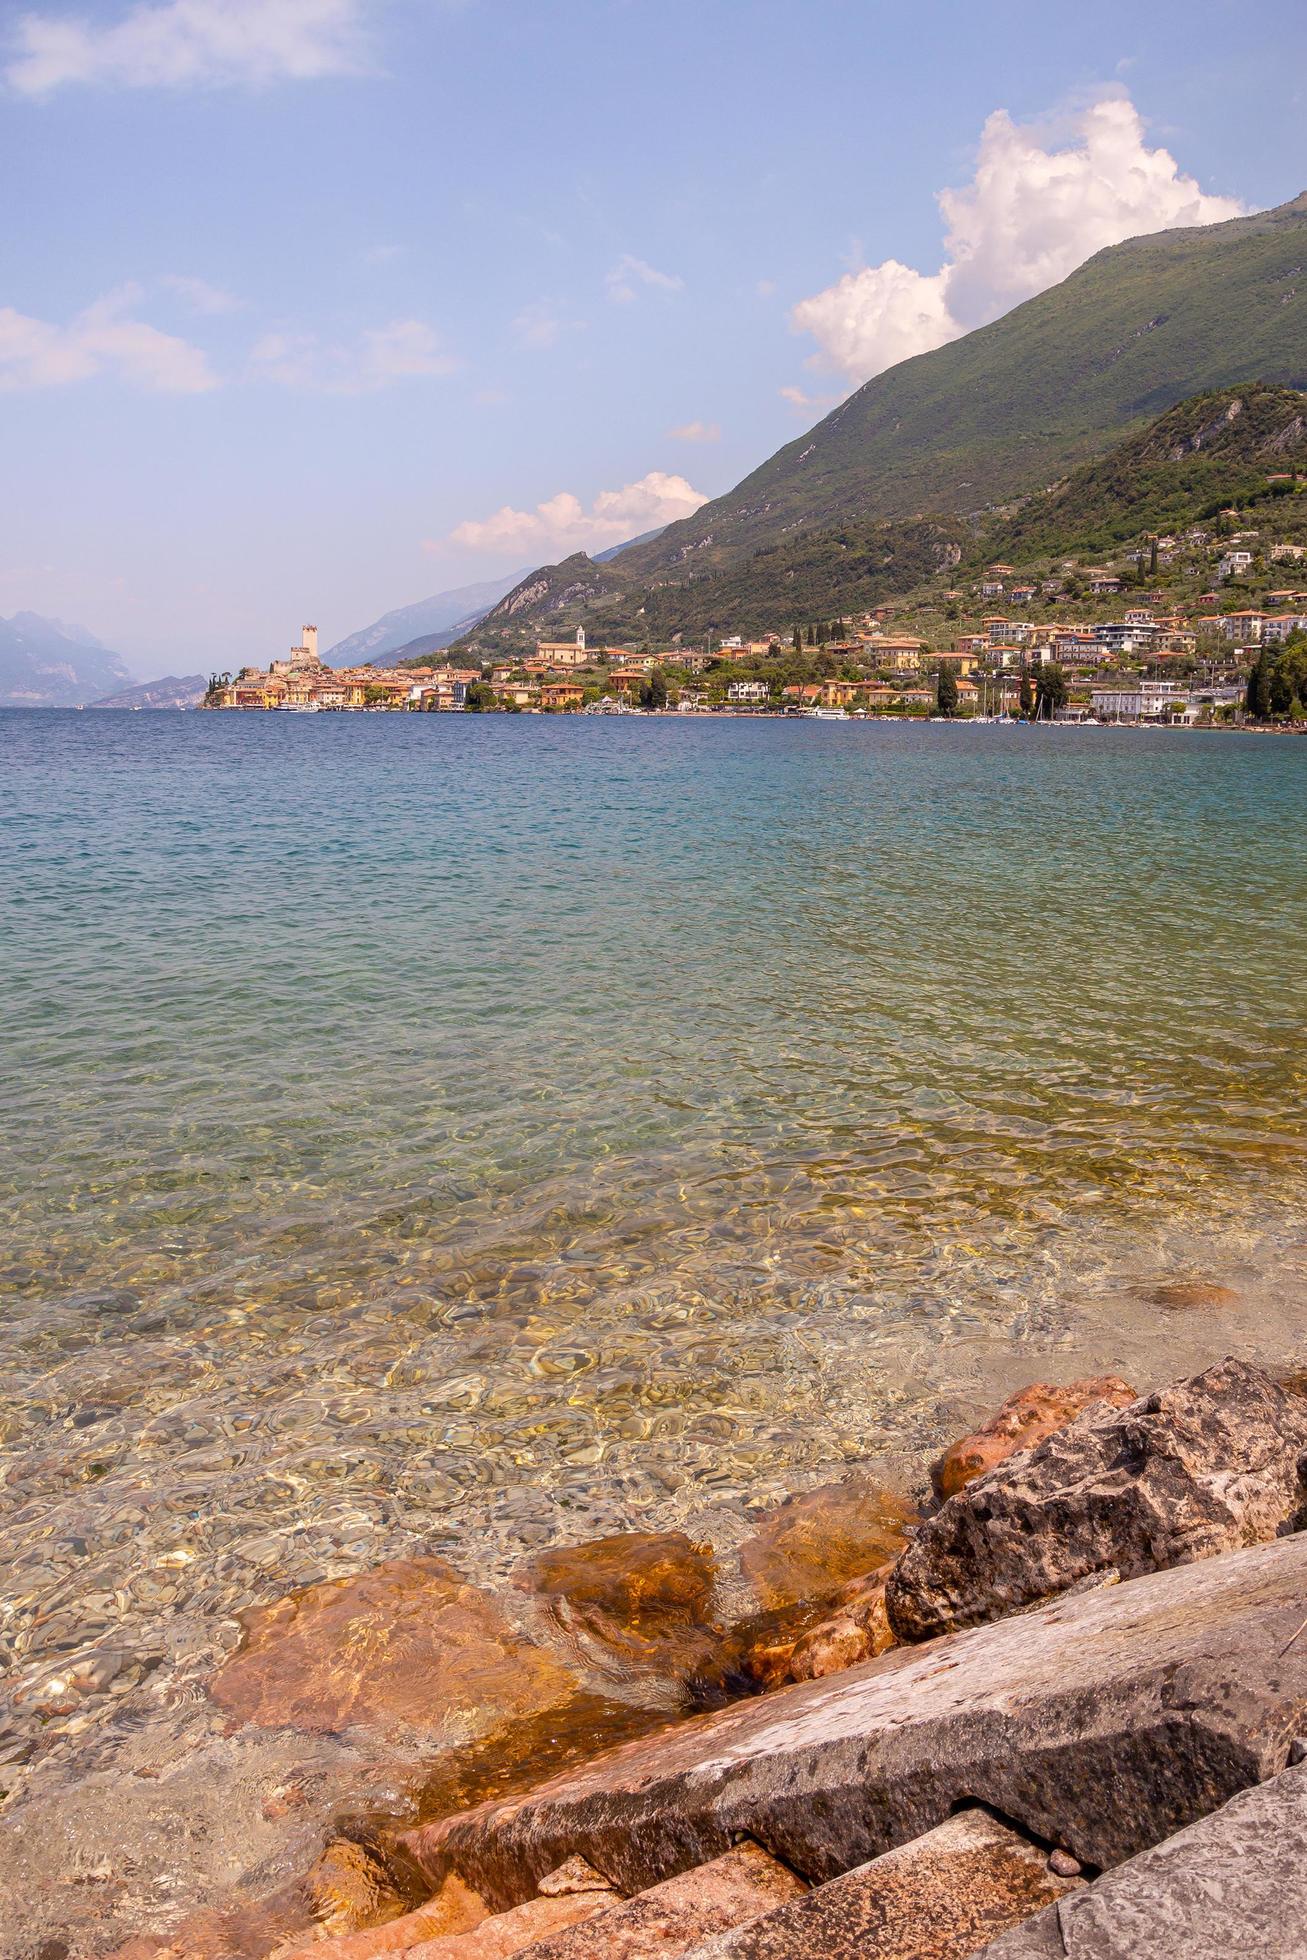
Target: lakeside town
{"x":1129,"y":642}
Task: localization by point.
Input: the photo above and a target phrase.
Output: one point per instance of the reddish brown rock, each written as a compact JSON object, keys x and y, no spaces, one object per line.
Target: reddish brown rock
{"x":348,"y":1888}
{"x":1204,"y":1466}
{"x":456,"y":1908}
{"x":668,"y":1919}
{"x":810,"y":1546}
{"x":857,"y":1629}
{"x":1024,"y":1420}
{"x":1177,"y":1295}
{"x":644,"y":1580}
{"x":758,"y":1652}
{"x":633,"y":1603}
{"x":938,"y":1898}
{"x":520,"y":1930}
{"x":802,"y":1642}
{"x":408,"y":1646}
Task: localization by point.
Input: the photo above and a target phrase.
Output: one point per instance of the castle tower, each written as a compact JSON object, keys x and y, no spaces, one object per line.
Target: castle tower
{"x":309,"y":642}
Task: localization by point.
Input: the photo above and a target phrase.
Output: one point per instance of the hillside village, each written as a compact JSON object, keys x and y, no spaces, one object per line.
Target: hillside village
{"x":1182,"y":627}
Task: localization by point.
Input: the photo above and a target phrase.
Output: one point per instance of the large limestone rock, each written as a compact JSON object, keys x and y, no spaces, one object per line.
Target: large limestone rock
{"x":1236,"y":1883}
{"x":938,"y":1898}
{"x":1203,"y":1466}
{"x":1024,"y":1420}
{"x":1102,"y":1723}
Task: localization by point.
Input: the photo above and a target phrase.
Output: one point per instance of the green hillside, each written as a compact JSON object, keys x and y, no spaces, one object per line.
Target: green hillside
{"x":1216,"y":449}
{"x":1242,"y":447}
{"x":988,"y":419}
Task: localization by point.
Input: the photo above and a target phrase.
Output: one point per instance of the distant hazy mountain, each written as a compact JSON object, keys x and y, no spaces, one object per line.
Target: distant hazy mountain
{"x":47,"y":664}
{"x":173,"y":691}
{"x":439,"y":618}
{"x":616,"y":550}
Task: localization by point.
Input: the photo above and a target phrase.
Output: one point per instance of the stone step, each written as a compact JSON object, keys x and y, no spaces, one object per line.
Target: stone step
{"x":519,"y":1930}
{"x":731,"y":1891}
{"x":1172,"y":1691}
{"x":1236,"y":1883}
{"x":942,"y":1897}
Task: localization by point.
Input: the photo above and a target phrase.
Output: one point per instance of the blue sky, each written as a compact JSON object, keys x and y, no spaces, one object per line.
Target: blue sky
{"x":311,"y":307}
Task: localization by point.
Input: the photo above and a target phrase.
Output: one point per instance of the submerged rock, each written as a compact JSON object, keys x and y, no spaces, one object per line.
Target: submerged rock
{"x":1024,"y":1420}
{"x":455,"y":1908}
{"x":408,"y":1646}
{"x":810,"y":1546}
{"x":1204,"y":1466}
{"x":637,"y":1602}
{"x":1177,"y":1295}
{"x":348,"y":1888}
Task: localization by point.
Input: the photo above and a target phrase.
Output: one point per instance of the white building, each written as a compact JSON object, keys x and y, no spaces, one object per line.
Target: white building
{"x":1137,"y":700}
{"x":1278,"y":626}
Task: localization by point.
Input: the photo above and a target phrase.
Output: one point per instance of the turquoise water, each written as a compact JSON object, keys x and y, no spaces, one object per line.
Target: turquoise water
{"x":467,"y":1132}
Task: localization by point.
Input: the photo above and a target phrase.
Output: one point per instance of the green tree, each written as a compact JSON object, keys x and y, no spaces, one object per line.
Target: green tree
{"x":1257,"y":699}
{"x":798,"y":639}
{"x":479,"y":699}
{"x":1050,"y":691}
{"x":1027,"y":693}
{"x":946,"y":692}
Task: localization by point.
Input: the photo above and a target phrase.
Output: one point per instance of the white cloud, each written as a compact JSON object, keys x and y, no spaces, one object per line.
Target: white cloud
{"x":405,"y":350}
{"x":189,"y":43}
{"x":800,"y":398}
{"x":199,"y":295}
{"x":630,"y":273}
{"x":1031,"y":214}
{"x":104,"y":339}
{"x":697,"y":432}
{"x":562,"y":524}
{"x":868,"y":320}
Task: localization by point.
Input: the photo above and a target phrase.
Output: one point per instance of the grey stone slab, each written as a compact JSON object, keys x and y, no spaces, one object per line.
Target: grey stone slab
{"x":1236,"y":1883}
{"x":1103,"y":1723}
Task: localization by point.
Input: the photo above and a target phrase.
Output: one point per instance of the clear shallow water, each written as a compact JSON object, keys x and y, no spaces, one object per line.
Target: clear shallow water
{"x":465,"y":1133}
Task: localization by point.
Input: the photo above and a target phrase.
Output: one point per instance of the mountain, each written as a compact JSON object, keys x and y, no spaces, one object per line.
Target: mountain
{"x":1215,"y":450}
{"x":616,"y":550}
{"x":47,"y":664}
{"x":185,"y":691}
{"x":444,"y":613}
{"x":991,"y":417}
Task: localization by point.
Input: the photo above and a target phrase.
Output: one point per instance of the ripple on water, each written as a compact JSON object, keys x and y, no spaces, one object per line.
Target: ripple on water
{"x":442,"y":1142}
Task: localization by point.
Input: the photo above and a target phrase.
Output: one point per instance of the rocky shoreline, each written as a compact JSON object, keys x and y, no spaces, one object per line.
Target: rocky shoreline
{"x":1055,"y":1709}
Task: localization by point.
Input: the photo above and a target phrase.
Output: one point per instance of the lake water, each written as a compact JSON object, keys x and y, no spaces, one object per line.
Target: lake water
{"x":471,"y":1132}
